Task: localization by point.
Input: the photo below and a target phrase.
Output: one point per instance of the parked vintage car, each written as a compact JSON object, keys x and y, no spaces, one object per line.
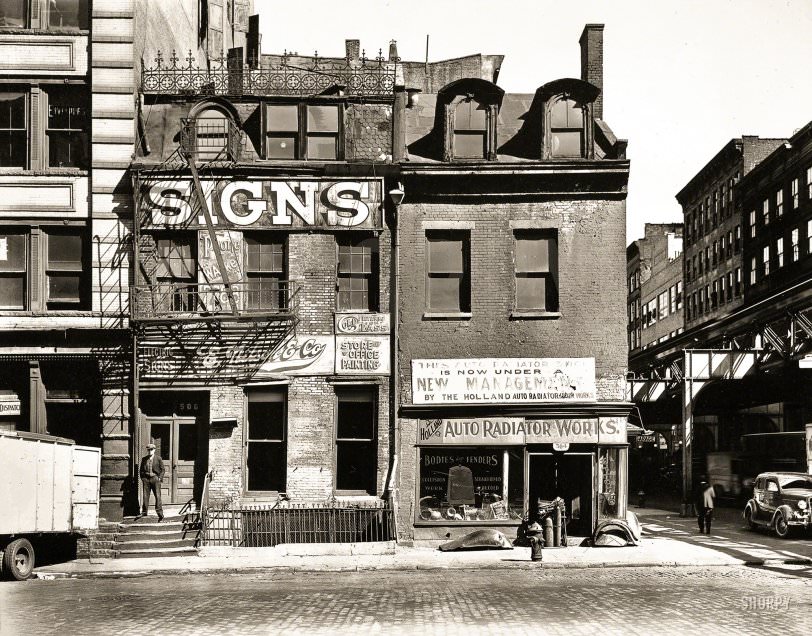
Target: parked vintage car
{"x":781,"y":501}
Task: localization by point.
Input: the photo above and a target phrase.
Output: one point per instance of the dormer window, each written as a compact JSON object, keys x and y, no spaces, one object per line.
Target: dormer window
{"x":211,"y":134}
{"x":303,"y":131}
{"x":470,"y":108}
{"x":470,"y":129}
{"x":567,"y":128}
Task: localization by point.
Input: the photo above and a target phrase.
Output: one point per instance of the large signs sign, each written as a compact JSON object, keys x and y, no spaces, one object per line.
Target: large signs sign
{"x":506,"y":431}
{"x":265,"y":204}
{"x":488,"y":380}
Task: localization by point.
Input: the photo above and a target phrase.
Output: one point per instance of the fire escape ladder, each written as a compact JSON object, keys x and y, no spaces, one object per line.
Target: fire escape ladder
{"x":201,"y":198}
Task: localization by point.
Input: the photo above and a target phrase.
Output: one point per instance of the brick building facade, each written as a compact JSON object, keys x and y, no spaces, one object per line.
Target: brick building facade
{"x":510,"y":296}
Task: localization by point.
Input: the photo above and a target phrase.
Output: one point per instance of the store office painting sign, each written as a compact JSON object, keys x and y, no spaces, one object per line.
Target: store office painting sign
{"x":267,"y":203}
{"x":502,"y":431}
{"x":488,"y":380}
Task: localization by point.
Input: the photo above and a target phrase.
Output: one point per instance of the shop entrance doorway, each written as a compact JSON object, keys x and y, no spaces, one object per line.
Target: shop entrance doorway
{"x":176,"y":442}
{"x":569,"y":476}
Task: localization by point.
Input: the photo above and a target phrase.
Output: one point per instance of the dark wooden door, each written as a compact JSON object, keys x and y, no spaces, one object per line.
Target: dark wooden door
{"x":176,"y":442}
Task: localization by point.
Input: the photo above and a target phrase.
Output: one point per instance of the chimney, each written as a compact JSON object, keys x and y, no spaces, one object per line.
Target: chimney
{"x":592,"y":61}
{"x":393,"y":50}
{"x":353,"y":50}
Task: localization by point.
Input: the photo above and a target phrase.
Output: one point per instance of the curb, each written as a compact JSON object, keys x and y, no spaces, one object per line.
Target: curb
{"x":289,"y":569}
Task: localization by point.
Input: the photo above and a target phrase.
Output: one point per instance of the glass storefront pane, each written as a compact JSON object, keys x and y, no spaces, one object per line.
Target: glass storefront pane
{"x":468,"y":485}
{"x":67,"y":14}
{"x":608,"y":494}
{"x":13,"y":13}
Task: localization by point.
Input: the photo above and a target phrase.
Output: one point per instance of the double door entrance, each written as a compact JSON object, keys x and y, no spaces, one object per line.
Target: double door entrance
{"x":176,"y":422}
{"x":176,"y":443}
{"x":569,"y":476}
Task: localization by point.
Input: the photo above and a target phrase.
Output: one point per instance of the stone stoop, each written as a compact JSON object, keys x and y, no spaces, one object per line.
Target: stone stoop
{"x":98,"y":543}
{"x":176,"y":535}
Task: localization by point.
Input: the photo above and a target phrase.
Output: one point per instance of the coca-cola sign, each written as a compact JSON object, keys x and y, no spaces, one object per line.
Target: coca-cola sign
{"x":301,"y":355}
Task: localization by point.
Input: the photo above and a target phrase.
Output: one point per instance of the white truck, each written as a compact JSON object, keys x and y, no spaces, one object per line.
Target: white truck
{"x":48,"y":486}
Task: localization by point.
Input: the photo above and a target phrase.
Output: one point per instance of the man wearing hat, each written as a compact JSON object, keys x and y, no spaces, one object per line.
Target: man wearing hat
{"x":152,"y":474}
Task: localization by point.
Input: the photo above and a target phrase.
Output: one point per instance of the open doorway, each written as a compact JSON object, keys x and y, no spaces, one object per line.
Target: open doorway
{"x":569,"y":476}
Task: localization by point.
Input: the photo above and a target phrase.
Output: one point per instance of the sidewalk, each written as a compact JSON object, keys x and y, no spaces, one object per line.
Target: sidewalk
{"x":652,"y":551}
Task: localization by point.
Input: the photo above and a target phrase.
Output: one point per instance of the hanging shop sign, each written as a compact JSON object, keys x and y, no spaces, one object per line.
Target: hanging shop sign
{"x":301,"y":355}
{"x":362,"y":355}
{"x":231,"y":246}
{"x":506,"y":431}
{"x":489,"y":380}
{"x":9,"y":405}
{"x":361,"y":323}
{"x":266,"y":204}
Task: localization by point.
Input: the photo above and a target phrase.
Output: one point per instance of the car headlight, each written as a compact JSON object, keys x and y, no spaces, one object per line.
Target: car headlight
{"x":802,"y":504}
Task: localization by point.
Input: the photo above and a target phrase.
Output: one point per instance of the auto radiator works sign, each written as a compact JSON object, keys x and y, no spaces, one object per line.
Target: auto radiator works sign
{"x":512,"y":380}
{"x":505,"y":431}
{"x":265,"y":204}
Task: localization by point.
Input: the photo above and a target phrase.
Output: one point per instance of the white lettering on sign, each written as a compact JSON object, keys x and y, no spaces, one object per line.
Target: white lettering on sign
{"x":302,"y":355}
{"x":362,"y":324}
{"x":518,"y":431}
{"x":10,"y":407}
{"x":270,"y":203}
{"x":483,"y":380}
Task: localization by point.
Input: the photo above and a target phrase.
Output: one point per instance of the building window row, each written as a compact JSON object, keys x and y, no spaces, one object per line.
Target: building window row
{"x":53,"y":14}
{"x":771,"y":256}
{"x":448,"y":271}
{"x":715,"y":294}
{"x":44,"y":128}
{"x":710,"y":211}
{"x":721,"y":250}
{"x":356,"y":439}
{"x":773,"y":206}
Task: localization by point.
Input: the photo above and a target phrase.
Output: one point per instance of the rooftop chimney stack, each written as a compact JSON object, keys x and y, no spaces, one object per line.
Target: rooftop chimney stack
{"x":353,"y":50}
{"x":592,"y":61}
{"x":393,"y":50}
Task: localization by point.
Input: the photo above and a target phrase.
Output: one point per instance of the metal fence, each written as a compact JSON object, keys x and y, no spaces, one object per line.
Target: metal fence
{"x":230,"y":524}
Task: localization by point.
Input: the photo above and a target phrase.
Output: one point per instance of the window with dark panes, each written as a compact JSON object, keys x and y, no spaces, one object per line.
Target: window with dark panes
{"x":67,"y":127}
{"x":267,"y":447}
{"x":536,"y":271}
{"x":281,"y":131}
{"x":176,"y":272}
{"x":470,"y":129}
{"x":322,"y":132}
{"x":14,"y":13}
{"x":357,"y":273}
{"x":13,"y":131}
{"x":67,"y":14}
{"x":264,"y":271}
{"x":63,"y":270}
{"x":211,"y":135}
{"x":13,"y":268}
{"x":448,"y":282}
{"x":567,"y":128}
{"x":356,"y":448}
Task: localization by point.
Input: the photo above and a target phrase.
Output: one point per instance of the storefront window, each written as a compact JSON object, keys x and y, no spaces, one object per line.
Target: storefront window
{"x":608,"y":498}
{"x":459,"y":484}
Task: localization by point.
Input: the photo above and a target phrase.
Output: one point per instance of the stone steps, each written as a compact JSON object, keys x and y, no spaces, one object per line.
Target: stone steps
{"x":145,"y":536}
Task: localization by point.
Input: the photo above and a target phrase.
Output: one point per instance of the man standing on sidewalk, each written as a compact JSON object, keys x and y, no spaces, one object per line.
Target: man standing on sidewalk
{"x":152,"y":474}
{"x":704,"y":505}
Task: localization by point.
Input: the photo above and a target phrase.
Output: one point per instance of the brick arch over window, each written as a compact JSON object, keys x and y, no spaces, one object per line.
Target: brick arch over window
{"x":470,"y":109}
{"x":567,"y":119}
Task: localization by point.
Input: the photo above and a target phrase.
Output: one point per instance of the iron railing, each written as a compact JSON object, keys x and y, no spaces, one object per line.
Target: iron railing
{"x":163,"y":300}
{"x":288,"y":75}
{"x":235,"y":525}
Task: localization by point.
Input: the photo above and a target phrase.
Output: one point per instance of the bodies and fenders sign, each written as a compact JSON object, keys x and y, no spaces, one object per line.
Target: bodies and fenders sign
{"x":503,"y":380}
{"x":510,"y":431}
{"x":333,"y":204}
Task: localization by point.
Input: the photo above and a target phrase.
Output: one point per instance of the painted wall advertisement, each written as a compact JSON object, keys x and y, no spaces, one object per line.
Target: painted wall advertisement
{"x":516,"y":380}
{"x":351,"y":323}
{"x":506,"y":431}
{"x":362,"y":355}
{"x":301,"y":355}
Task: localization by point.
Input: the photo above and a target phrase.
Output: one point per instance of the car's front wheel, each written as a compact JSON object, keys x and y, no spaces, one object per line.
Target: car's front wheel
{"x":781,"y":526}
{"x":748,"y":518}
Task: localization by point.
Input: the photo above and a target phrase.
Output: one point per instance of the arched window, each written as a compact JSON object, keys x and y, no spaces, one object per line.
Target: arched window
{"x":211,"y":128}
{"x":470,"y":107}
{"x":567,"y":128}
{"x":470,"y":129}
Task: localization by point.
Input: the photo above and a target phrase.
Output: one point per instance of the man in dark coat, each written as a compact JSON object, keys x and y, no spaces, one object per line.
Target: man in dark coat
{"x":152,"y":474}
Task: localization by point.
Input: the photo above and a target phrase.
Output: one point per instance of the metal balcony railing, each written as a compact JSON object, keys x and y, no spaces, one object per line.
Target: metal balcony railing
{"x":189,"y":301}
{"x":290,"y":75}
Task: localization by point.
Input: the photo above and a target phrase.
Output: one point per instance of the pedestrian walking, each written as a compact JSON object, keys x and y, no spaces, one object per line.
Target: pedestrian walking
{"x":704,"y":505}
{"x":152,"y":474}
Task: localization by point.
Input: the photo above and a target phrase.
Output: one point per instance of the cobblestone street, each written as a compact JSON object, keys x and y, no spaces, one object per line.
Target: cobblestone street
{"x":720,"y":600}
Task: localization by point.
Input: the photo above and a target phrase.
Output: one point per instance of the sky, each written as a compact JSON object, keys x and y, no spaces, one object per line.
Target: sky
{"x":681,"y":77}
